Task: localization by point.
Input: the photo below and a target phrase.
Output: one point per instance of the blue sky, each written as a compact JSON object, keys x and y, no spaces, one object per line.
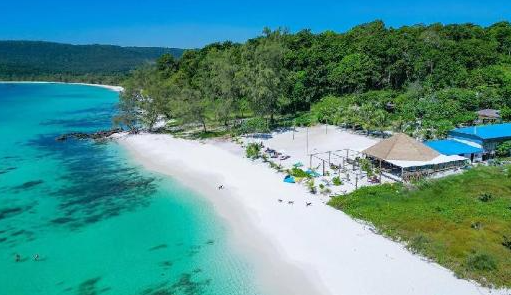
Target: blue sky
{"x":189,"y":24}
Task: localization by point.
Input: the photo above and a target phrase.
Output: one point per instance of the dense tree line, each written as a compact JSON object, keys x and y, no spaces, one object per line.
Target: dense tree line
{"x":48,"y":61}
{"x":418,"y":79}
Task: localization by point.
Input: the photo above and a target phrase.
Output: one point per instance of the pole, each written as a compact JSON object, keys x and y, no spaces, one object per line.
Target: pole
{"x":307,"y":128}
{"x":380,"y":171}
{"x":323,"y":167}
{"x":310,"y":162}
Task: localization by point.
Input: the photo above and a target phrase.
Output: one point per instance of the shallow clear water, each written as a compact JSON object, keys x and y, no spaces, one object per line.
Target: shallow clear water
{"x":99,"y":223}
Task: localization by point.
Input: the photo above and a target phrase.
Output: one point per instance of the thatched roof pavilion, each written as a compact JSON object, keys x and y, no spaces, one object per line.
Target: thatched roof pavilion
{"x":407,"y":155}
{"x":401,"y":147}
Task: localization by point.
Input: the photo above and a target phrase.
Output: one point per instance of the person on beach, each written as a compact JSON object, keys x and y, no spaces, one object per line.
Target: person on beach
{"x":221,"y":186}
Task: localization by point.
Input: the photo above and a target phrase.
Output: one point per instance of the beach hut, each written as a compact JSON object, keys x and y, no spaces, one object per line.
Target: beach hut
{"x":488,"y":116}
{"x":404,"y":156}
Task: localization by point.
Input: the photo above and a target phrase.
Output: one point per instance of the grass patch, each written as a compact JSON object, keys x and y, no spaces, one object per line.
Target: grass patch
{"x":463,"y":222}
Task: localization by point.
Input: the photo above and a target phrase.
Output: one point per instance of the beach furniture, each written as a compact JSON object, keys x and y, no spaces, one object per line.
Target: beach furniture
{"x":312,"y":173}
{"x":289,"y":179}
{"x":298,"y":164}
{"x":298,"y":179}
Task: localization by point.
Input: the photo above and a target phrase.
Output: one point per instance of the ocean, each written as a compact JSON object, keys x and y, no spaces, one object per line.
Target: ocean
{"x":80,"y":217}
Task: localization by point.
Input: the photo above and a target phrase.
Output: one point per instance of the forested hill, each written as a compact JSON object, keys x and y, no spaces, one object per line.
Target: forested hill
{"x":420,"y":79}
{"x":32,"y":60}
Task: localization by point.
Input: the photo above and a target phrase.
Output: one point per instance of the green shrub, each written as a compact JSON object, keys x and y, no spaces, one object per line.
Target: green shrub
{"x":504,"y":149}
{"x":486,"y":197}
{"x":311,"y":186}
{"x":481,"y":261}
{"x":336,"y":181}
{"x":253,"y":151}
{"x":275,"y":166}
{"x":366,"y":166}
{"x":506,"y":242}
{"x":297,"y":172}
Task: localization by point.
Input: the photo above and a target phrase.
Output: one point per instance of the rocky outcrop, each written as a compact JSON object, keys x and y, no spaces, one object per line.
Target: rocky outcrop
{"x":103,"y":134}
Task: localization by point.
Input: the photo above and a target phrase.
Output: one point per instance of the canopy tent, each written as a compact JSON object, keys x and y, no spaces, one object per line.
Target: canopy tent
{"x":289,"y":179}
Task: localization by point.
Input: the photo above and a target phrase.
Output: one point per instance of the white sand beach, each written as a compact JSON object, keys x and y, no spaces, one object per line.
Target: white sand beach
{"x":111,"y":87}
{"x":296,"y":249}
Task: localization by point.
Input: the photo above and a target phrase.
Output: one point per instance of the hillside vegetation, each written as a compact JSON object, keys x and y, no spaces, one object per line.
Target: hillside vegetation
{"x":462,"y":222}
{"x":422,"y":80}
{"x":33,"y":60}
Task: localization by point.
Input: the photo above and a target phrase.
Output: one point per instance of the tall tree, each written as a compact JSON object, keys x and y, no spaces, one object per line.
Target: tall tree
{"x":265,"y":78}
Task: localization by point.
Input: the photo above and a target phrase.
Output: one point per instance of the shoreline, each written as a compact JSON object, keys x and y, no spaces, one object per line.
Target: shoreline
{"x":110,"y":87}
{"x":313,"y":250}
{"x":266,"y":259}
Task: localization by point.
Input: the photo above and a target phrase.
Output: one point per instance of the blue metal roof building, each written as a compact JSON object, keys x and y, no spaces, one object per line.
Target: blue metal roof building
{"x":452,"y":147}
{"x":484,"y":133}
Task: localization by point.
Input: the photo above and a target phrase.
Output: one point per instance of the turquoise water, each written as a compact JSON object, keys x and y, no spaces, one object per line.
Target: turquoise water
{"x":99,"y":223}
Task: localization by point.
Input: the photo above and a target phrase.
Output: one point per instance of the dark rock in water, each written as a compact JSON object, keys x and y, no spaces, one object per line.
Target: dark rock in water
{"x":103,"y":134}
{"x":158,"y":247}
{"x":28,"y":184}
{"x":166,"y":264}
{"x":62,"y":220}
{"x":7,"y":212}
{"x":3,"y":171}
{"x":89,"y":287}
